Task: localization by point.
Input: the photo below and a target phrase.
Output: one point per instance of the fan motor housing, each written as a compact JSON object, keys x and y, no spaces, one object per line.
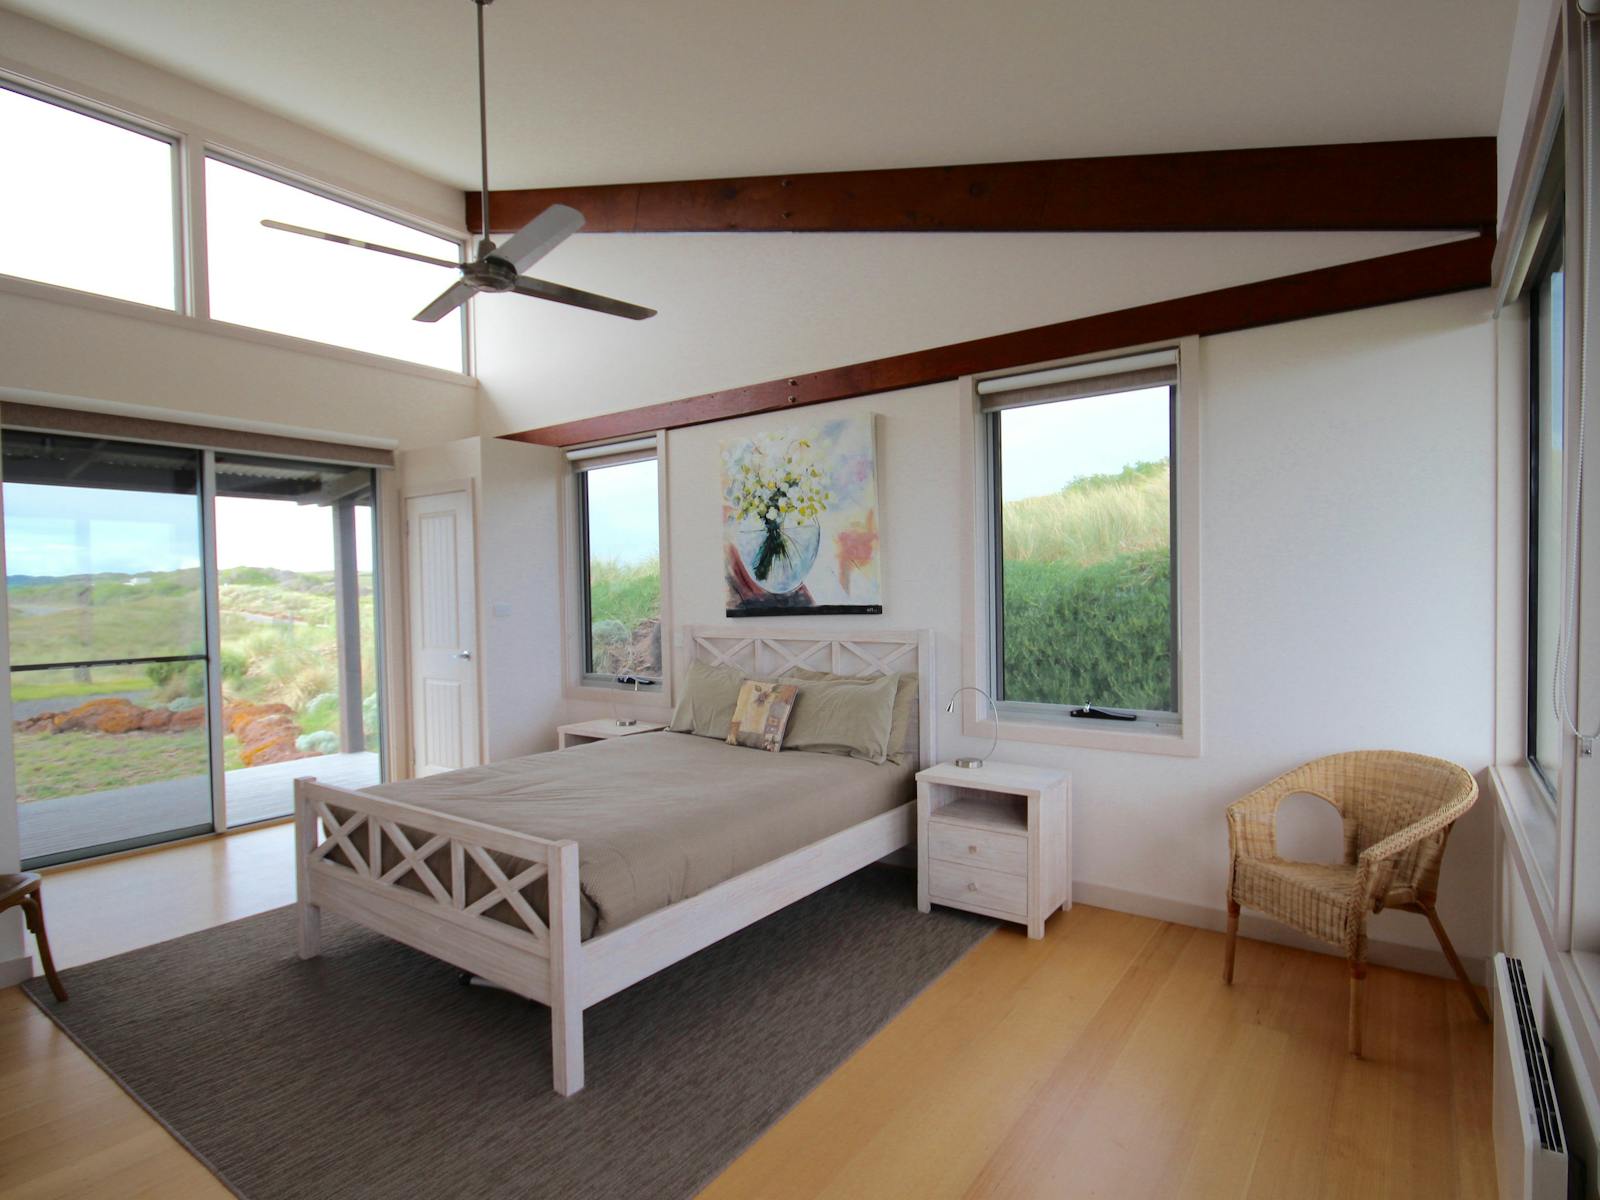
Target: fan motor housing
{"x":491,"y":274}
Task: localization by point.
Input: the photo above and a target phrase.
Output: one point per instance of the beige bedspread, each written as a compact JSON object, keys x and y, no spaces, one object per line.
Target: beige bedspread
{"x":660,"y":817}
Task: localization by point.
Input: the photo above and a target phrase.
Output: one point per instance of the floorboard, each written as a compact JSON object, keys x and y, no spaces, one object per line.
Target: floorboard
{"x":1106,"y":1060}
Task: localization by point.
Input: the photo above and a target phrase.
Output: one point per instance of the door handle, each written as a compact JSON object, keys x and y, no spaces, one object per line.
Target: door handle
{"x":466,"y":654}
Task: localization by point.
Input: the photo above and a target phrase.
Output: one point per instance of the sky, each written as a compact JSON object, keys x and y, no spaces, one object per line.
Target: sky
{"x":624,"y":513}
{"x":66,"y":234}
{"x":76,"y":530}
{"x":1047,"y":446}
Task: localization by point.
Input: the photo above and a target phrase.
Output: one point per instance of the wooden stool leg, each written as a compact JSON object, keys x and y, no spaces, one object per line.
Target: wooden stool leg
{"x":33,"y":913}
{"x":1358,"y":974}
{"x":1454,"y":960}
{"x":1233,"y":939}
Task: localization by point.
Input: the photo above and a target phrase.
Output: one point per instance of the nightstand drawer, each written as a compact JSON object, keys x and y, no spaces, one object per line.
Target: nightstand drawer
{"x":1004,"y":852}
{"x":958,"y":883}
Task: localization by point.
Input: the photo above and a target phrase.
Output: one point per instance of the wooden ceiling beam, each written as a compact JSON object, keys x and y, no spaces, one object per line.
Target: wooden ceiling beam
{"x":1455,"y":266}
{"x":1444,"y":183}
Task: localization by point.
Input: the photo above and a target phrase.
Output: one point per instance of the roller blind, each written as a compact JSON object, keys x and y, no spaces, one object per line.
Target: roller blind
{"x":613,"y":454}
{"x":1158,"y":368}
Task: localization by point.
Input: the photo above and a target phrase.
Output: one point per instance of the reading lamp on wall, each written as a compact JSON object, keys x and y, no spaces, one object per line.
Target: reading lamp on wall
{"x":972,"y":764}
{"x":638,"y":682}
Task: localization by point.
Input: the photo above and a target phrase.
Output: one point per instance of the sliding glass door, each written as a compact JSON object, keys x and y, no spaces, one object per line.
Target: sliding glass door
{"x":299,"y":630}
{"x":131,"y":725}
{"x":109,"y":671}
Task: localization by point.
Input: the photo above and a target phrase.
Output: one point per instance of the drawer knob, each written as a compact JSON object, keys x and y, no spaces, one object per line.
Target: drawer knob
{"x":972,"y":887}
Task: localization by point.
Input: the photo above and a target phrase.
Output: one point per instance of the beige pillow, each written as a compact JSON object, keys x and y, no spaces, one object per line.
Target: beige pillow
{"x":761,"y":714}
{"x":905,"y":699}
{"x":705,"y":706}
{"x":838,"y":716}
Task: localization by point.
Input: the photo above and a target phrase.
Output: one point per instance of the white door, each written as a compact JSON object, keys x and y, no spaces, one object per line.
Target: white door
{"x":443,"y":632}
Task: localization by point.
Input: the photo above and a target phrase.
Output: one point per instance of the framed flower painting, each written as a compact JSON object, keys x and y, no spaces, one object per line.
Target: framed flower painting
{"x":800,"y":520}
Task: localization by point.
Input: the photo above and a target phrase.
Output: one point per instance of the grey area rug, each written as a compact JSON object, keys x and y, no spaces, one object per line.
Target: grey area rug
{"x":372,"y":1072}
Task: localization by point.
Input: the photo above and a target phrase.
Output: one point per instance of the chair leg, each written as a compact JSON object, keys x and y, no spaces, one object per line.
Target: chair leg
{"x":1358,"y":974}
{"x":1233,"y":940}
{"x":1454,"y":960}
{"x":33,"y":913}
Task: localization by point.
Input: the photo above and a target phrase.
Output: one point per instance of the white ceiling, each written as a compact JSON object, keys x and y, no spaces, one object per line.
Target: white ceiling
{"x":585,"y":92}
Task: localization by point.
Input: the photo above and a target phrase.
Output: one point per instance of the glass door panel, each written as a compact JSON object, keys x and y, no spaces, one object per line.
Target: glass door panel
{"x":299,"y":646}
{"x":108,"y":650}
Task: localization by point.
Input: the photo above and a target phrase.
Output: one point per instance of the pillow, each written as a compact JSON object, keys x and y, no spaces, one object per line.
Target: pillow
{"x":761,"y":714}
{"x":905,"y":699}
{"x":705,"y":706}
{"x":836,"y":716}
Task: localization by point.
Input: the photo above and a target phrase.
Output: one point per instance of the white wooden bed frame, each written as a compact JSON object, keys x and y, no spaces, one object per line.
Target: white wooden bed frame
{"x":548,"y":962}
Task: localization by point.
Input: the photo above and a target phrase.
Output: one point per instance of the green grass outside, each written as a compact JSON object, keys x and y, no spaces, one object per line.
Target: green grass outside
{"x":621,"y":598}
{"x":76,"y":764}
{"x":1087,"y":575}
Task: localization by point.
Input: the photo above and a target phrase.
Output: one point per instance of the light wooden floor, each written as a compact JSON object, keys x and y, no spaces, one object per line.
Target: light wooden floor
{"x":1107,"y":1060}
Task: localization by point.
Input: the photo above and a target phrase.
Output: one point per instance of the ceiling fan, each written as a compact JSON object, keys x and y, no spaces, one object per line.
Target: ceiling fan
{"x":498,"y":268}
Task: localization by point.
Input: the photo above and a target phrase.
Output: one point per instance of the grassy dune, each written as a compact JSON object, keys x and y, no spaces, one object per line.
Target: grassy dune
{"x":1086,"y":574}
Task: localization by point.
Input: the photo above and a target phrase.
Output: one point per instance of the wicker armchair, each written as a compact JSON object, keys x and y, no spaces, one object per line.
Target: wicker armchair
{"x":1397,"y":809}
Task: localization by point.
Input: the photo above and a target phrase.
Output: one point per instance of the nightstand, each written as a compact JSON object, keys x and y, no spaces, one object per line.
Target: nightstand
{"x":583,"y":732}
{"x":995,"y":840}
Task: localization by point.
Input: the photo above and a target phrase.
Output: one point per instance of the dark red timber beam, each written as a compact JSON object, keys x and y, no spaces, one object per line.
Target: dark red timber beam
{"x":1444,"y":183}
{"x":1455,"y":266}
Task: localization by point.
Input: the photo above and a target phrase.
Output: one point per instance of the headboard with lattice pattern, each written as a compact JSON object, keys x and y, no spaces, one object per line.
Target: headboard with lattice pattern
{"x":764,"y":653}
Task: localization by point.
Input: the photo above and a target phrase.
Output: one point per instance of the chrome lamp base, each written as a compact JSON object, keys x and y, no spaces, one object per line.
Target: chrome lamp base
{"x":971,"y":764}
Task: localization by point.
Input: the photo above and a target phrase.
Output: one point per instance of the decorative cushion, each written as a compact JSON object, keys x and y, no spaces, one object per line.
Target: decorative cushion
{"x":761,"y":714}
{"x":905,"y":699}
{"x":705,"y":705}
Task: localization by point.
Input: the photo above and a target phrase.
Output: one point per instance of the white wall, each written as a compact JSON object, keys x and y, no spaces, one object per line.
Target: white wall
{"x":109,"y":351}
{"x":1347,"y":588}
{"x":735,"y":310}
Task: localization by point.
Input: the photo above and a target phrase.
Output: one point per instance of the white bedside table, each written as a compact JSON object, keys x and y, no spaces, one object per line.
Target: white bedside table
{"x":582,"y":732}
{"x":995,"y":840}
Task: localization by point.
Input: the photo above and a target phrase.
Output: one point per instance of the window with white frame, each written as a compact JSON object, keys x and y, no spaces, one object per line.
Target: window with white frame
{"x":1547,"y":512}
{"x":1083,"y":552}
{"x":269,"y":279}
{"x":618,"y":550}
{"x":61,"y":163}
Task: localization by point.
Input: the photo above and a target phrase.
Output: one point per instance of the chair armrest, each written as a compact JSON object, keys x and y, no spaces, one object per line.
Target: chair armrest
{"x":1375,"y":864}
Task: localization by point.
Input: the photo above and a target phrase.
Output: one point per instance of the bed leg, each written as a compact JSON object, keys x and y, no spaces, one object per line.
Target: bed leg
{"x":566,"y":969}
{"x":305,"y":841}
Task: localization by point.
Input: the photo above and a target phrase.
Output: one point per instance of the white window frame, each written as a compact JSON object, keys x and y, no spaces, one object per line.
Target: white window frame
{"x":1049,"y":724}
{"x":1552,"y":854}
{"x":255,"y":166}
{"x":192,"y":309}
{"x":578,"y":682}
{"x":145,"y":128}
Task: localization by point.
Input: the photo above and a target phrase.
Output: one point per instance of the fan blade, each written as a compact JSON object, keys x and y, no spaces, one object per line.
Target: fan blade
{"x":540,"y":236}
{"x":561,"y":294}
{"x":452,"y":298}
{"x":360,"y":245}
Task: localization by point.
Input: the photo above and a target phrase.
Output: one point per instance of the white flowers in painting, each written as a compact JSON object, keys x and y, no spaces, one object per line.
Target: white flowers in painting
{"x":776,"y":479}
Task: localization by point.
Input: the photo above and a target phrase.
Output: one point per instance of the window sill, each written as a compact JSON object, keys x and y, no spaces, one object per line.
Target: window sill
{"x":111,"y":305}
{"x":654,"y":702}
{"x":1529,"y":823}
{"x":1182,"y":741}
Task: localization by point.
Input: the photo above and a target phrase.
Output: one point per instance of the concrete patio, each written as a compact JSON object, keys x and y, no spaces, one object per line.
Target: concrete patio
{"x":65,"y":824}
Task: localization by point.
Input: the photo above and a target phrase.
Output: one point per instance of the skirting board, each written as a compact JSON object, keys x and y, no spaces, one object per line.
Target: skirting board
{"x":16,"y":970}
{"x":1251,"y":925}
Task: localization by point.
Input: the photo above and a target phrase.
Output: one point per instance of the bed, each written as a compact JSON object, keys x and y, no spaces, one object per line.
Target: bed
{"x":566,"y":877}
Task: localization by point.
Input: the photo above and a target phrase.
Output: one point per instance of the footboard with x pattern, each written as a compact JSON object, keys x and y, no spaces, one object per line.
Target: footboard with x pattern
{"x":432,"y":881}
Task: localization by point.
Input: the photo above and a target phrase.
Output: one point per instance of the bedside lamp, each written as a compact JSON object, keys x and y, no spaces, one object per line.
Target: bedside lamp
{"x":637,"y":682}
{"x":973,"y":764}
